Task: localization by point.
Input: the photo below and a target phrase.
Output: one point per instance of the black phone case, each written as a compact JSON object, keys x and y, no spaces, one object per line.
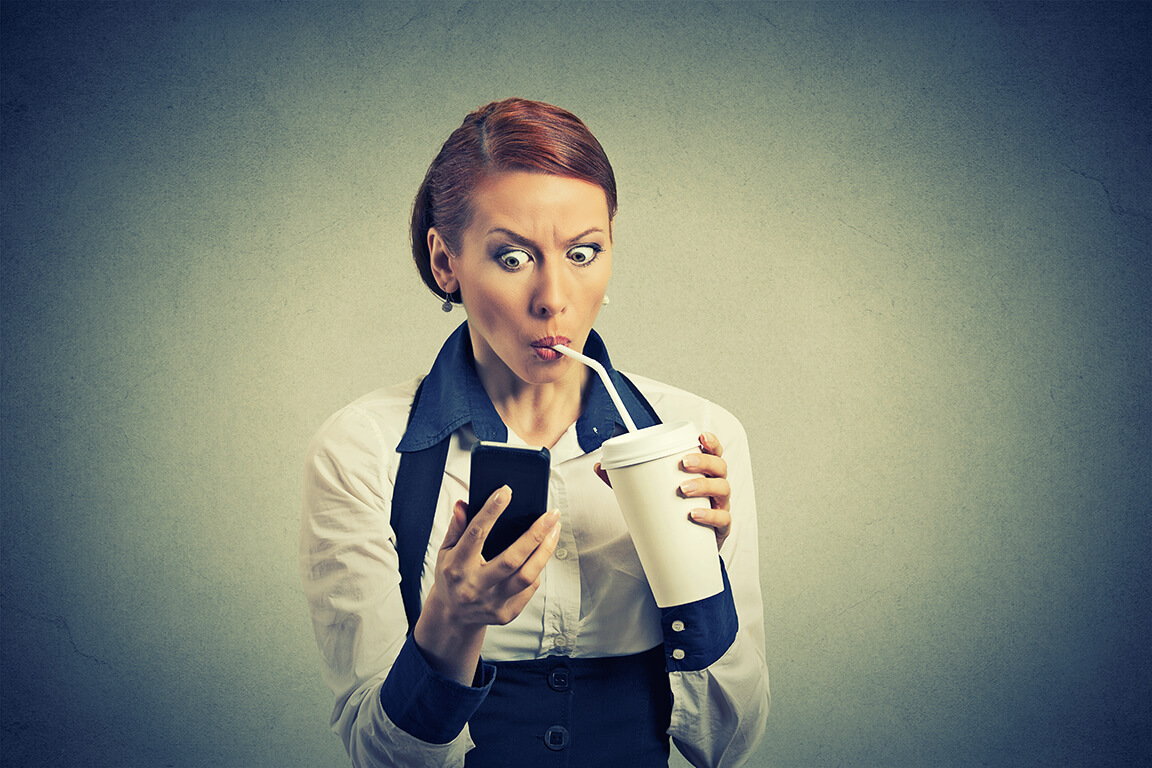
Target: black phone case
{"x":525,"y":471}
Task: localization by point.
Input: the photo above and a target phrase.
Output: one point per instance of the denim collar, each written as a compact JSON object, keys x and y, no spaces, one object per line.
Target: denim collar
{"x":453,"y":396}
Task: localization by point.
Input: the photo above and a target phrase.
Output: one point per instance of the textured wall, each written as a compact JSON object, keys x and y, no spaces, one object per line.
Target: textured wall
{"x":907,"y":244}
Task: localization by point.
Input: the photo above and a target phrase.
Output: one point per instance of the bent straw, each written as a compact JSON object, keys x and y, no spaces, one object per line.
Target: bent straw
{"x":604,"y":378}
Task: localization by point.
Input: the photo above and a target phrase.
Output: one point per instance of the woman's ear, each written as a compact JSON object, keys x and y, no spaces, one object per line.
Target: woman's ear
{"x":441,"y":262}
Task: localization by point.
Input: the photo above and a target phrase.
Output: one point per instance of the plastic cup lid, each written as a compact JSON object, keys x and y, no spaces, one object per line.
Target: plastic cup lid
{"x":649,"y":443}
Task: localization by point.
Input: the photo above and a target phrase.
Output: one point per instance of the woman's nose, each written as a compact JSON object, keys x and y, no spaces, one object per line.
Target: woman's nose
{"x":551,"y":296}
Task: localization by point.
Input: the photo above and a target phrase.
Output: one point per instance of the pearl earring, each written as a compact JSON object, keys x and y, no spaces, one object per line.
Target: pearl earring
{"x":606,"y":301}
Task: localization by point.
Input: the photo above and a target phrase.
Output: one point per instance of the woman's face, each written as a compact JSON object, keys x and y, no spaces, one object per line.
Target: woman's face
{"x":531,"y":269}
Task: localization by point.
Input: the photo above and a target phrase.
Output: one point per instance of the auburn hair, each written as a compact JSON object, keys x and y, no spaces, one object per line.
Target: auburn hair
{"x":509,"y":135}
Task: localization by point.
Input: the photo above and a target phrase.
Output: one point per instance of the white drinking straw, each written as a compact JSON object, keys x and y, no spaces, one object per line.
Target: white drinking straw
{"x":604,"y":378}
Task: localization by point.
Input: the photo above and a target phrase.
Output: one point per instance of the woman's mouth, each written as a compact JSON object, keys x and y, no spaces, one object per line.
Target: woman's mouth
{"x":544,"y":346}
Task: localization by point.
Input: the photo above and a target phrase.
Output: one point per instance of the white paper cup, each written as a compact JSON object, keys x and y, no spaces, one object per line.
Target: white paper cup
{"x":679,"y":556}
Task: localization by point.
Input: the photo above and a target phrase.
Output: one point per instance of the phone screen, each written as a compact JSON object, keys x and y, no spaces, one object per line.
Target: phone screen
{"x":525,"y":471}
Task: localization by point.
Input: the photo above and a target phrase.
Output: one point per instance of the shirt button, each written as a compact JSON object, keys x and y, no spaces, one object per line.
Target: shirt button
{"x":677,"y":626}
{"x":558,"y":679}
{"x":561,"y":554}
{"x":556,"y":737}
{"x":678,"y":654}
{"x":560,"y":641}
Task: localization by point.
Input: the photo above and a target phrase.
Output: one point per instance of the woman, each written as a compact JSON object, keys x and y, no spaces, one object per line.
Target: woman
{"x":555,"y":651}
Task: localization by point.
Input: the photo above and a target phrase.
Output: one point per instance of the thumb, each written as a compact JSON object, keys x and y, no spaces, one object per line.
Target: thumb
{"x":602,"y":474}
{"x":456,"y":526}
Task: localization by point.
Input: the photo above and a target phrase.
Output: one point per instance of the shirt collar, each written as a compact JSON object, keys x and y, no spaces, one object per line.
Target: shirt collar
{"x":452,"y":396}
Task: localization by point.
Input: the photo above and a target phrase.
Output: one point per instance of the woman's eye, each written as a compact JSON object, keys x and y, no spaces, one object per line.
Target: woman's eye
{"x":513,"y":259}
{"x":584,"y":254}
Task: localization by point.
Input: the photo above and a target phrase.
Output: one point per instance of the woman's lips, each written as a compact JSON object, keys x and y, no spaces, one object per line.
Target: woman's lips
{"x":551,"y":341}
{"x":544,"y":346}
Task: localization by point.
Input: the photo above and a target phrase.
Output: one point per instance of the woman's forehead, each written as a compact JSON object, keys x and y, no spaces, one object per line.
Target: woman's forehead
{"x":536,"y":203}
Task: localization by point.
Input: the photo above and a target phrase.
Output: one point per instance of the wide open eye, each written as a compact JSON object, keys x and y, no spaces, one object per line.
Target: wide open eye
{"x":513,"y":259}
{"x":584,"y":254}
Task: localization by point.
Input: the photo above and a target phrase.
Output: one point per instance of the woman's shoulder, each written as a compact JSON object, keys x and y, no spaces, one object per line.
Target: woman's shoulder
{"x":377,"y":418}
{"x":387,"y":402}
{"x":672,"y":403}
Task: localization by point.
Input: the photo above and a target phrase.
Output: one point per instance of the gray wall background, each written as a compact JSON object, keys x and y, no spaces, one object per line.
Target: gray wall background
{"x":908,"y":245}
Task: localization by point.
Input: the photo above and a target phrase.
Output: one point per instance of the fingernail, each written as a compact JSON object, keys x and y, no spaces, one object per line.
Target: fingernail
{"x":688,"y":487}
{"x":691,"y":461}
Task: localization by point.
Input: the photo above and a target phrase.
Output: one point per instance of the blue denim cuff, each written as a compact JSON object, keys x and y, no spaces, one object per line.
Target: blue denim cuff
{"x":697,"y":634}
{"x":426,"y":704}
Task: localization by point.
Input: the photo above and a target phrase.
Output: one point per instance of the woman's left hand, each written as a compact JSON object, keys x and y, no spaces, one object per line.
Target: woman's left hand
{"x":713,"y":485}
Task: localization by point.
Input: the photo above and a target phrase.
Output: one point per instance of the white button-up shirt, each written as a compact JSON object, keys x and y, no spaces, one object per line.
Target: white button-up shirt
{"x":593,"y":600}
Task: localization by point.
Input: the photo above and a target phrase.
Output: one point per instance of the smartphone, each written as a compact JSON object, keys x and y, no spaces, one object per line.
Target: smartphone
{"x":525,"y":471}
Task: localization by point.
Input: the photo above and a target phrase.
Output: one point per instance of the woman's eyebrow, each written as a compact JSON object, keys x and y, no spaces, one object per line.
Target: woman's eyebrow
{"x":525,"y":241}
{"x":510,"y":235}
{"x":585,"y":233}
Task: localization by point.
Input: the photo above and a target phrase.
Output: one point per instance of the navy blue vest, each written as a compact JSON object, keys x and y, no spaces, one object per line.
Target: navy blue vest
{"x":556,"y":711}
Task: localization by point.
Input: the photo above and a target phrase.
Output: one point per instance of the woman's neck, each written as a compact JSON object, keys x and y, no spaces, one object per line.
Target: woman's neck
{"x":538,"y":413}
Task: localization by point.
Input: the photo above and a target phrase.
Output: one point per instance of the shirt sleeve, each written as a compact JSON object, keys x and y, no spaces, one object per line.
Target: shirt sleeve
{"x":714,"y":648}
{"x":697,"y":635}
{"x":425,"y":703}
{"x":391,"y":708}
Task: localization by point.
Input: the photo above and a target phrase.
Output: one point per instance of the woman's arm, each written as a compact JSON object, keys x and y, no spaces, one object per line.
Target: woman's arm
{"x":714,"y":648}
{"x":383,"y":684}
{"x":350,"y":573}
{"x":401,"y":701}
{"x":720,"y":682}
{"x":469,"y":594}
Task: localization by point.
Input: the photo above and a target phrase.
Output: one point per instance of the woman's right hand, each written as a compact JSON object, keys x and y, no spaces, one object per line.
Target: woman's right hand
{"x":470,"y":593}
